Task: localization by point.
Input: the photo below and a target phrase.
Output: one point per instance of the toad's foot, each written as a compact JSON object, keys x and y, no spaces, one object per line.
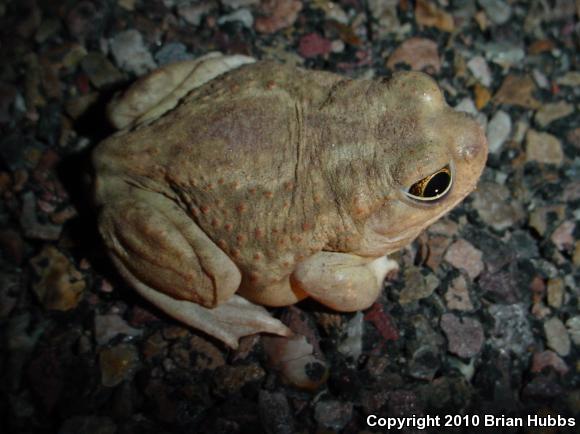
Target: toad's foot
{"x":228,"y":322}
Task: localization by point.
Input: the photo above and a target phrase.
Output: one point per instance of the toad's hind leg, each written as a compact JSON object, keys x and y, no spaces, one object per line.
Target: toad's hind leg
{"x":169,"y":260}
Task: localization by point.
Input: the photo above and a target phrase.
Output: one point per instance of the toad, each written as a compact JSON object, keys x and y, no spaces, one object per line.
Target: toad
{"x":233,"y":184}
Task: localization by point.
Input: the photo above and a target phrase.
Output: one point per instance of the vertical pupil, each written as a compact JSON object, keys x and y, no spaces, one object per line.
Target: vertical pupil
{"x":437,"y":184}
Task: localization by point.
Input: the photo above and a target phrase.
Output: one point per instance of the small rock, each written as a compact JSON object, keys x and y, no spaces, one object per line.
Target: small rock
{"x":230,"y":379}
{"x":100,"y":71}
{"x":383,"y":322}
{"x":333,"y":414}
{"x":571,"y":78}
{"x":61,"y":285}
{"x":236,"y":4}
{"x":193,"y":13}
{"x":519,"y":91}
{"x":551,"y":359}
{"x":540,"y":79}
{"x":30,"y":224}
{"x":495,"y":205}
{"x":482,"y":96}
{"x":557,"y":336}
{"x":155,"y":347}
{"x":466,"y":105}
{"x":82,"y":20}
{"x":243,"y":16}
{"x":556,"y":292}
{"x":498,"y":131}
{"x":428,"y":14}
{"x":275,"y":413}
{"x":130,"y":53}
{"x":465,"y":335}
{"x":277,"y":15}
{"x":504,"y":54}
{"x":543,"y":148}
{"x":88,"y":425}
{"x":550,"y":112}
{"x":425,"y":363}
{"x":512,"y":331}
{"x":546,"y":217}
{"x":444,"y":226}
{"x":419,"y":53}
{"x":457,"y":296}
{"x":573,"y":325}
{"x":172,"y":52}
{"x":351,"y":344}
{"x":117,"y":364}
{"x":205,"y":355}
{"x":461,"y":254}
{"x":10,"y":289}
{"x":498,"y":11}
{"x":501,"y":286}
{"x":385,"y":12}
{"x":110,"y":325}
{"x":573,"y":137}
{"x":417,"y":285}
{"x":563,"y":236}
{"x":313,"y":45}
{"x":437,"y":246}
{"x":480,"y":70}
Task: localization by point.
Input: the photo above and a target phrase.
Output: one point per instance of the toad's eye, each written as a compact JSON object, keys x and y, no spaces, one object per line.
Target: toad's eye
{"x":432,"y":187}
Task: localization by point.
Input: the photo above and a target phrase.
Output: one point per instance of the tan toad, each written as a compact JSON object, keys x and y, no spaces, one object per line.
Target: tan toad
{"x":266,"y":184}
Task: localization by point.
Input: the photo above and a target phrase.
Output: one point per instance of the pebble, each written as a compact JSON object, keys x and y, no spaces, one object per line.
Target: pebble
{"x":551,"y":359}
{"x":88,"y":425}
{"x":543,"y":148}
{"x":462,"y":255}
{"x":352,"y":344}
{"x":556,"y":292}
{"x":205,"y":355}
{"x":501,"y":286}
{"x":571,"y":78}
{"x":480,"y":70}
{"x":437,"y":245}
{"x":504,"y":54}
{"x":243,"y":16}
{"x":427,"y":14}
{"x":573,"y":325}
{"x":557,"y":336}
{"x":82,"y":20}
{"x":386,"y":15}
{"x":230,"y":379}
{"x":30,"y":224}
{"x":172,"y":52}
{"x":275,"y":413}
{"x":563,"y":236}
{"x":425,"y":363}
{"x":550,"y":112}
{"x":519,"y":91}
{"x":545,"y":218}
{"x":277,"y":15}
{"x":498,"y":131}
{"x":465,"y":335}
{"x":236,"y":4}
{"x":313,"y":45}
{"x":419,"y":53}
{"x":498,"y":11}
{"x":417,"y":285}
{"x":118,"y":363}
{"x":511,"y":331}
{"x":457,"y":295}
{"x":60,"y":285}
{"x":111,"y":325}
{"x":540,"y":79}
{"x":101,"y":72}
{"x":333,"y":414}
{"x":495,"y":205}
{"x":193,"y":13}
{"x":130,"y":53}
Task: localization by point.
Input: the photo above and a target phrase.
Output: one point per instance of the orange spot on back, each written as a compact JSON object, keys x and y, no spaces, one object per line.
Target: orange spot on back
{"x":240,"y":208}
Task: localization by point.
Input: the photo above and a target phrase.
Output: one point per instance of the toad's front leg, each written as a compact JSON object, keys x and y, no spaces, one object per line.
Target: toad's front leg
{"x":342,"y":281}
{"x":170,"y":261}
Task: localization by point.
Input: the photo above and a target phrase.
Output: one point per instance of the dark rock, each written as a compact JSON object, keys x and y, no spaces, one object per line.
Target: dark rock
{"x":275,"y":413}
{"x":512,"y":332}
{"x":333,"y":414}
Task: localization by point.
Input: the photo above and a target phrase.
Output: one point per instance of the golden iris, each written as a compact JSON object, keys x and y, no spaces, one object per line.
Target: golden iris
{"x":432,"y":187}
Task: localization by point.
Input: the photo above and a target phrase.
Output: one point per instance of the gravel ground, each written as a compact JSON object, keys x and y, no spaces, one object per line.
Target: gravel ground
{"x":482,"y":318}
